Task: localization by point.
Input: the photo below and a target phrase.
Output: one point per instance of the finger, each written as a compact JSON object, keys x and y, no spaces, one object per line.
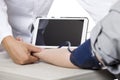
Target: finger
{"x":33,"y":59}
{"x":36,"y":54}
{"x":33,"y":49}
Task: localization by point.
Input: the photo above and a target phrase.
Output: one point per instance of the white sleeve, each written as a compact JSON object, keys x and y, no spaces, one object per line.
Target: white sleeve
{"x":5,"y":28}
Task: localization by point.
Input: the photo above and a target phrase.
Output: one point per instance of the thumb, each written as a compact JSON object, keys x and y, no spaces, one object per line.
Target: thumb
{"x":33,"y":49}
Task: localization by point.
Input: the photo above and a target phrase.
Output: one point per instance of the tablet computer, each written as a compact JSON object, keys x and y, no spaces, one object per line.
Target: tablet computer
{"x":52,"y":32}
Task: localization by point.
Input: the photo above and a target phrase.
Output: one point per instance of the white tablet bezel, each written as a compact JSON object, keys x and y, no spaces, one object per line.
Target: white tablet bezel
{"x":84,"y":31}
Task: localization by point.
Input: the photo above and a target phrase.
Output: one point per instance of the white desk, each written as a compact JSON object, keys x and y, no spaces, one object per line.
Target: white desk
{"x":43,"y":71}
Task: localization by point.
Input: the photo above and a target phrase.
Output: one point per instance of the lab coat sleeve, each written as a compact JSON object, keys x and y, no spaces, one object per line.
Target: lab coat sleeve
{"x":5,"y":28}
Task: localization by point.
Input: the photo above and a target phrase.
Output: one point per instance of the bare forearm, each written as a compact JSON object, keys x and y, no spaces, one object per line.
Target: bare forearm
{"x":59,"y":57}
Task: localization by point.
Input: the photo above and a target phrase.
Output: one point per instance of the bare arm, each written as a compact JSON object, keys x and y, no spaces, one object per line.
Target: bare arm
{"x":58,"y":57}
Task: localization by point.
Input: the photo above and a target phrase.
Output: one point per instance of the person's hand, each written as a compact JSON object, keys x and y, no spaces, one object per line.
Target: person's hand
{"x":19,"y":51}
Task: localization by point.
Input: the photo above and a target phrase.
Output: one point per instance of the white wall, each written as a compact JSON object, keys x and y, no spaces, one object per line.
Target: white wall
{"x":69,"y":8}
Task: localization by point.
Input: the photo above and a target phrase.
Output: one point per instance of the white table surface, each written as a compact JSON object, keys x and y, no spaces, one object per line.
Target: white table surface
{"x":44,"y":71}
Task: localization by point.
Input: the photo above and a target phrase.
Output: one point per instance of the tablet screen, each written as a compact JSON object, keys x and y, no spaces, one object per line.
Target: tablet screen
{"x":53,"y":32}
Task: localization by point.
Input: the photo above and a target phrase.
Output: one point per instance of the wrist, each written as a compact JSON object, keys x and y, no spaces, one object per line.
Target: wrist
{"x":7,"y":41}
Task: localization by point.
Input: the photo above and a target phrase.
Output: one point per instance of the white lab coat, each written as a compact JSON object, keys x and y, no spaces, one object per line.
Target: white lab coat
{"x":17,"y":16}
